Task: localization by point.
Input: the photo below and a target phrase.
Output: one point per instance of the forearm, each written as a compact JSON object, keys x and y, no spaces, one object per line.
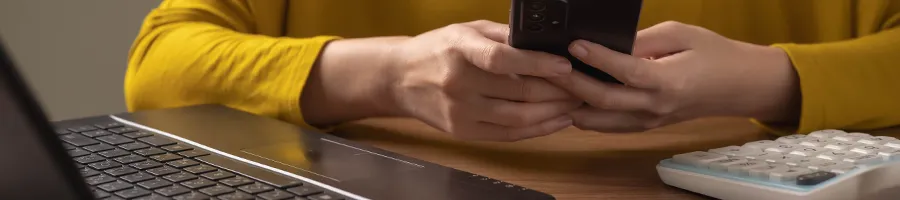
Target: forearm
{"x":351,"y":80}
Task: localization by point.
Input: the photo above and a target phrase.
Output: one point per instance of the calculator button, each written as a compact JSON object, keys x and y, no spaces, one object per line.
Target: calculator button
{"x":808,"y":151}
{"x":890,"y":153}
{"x":736,"y":151}
{"x":791,"y":139}
{"x":789,"y":175}
{"x":842,"y":145}
{"x":815,"y":142}
{"x":879,"y":140}
{"x":852,"y":137}
{"x":893,"y":144}
{"x":814,"y":178}
{"x":804,"y":161}
{"x":838,"y":155}
{"x":764,"y":156}
{"x":697,"y":158}
{"x":827,"y":133}
{"x":781,"y":158}
{"x":722,"y":165}
{"x":761,"y":145}
{"x":763,"y":172}
{"x":844,"y":170}
{"x":828,"y":165}
{"x":865,"y":159}
{"x":783,"y":148}
{"x":743,"y":169}
{"x":868,"y":149}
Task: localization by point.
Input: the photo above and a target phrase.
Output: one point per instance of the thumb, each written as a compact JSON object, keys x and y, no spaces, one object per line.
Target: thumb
{"x":663,"y":39}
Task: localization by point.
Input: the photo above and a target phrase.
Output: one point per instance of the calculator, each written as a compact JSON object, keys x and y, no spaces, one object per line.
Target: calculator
{"x":824,"y":164}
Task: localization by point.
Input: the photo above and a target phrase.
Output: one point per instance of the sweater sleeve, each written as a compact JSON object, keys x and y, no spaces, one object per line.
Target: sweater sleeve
{"x":850,"y":85}
{"x":191,"y":52}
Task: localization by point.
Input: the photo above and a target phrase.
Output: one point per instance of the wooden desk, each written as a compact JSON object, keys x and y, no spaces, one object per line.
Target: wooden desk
{"x":572,"y":164}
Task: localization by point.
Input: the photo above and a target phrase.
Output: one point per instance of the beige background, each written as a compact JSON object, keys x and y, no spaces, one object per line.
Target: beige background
{"x":73,"y":53}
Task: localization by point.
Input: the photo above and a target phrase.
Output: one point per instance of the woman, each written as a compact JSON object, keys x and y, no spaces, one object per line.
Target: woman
{"x":445,"y":63}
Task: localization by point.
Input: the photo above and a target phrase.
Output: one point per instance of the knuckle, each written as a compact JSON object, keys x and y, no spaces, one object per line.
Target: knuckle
{"x":639,"y":75}
{"x":526,"y":90}
{"x":492,"y":55}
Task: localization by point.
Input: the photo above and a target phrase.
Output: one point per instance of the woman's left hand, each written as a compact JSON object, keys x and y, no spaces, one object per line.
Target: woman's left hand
{"x":680,"y":72}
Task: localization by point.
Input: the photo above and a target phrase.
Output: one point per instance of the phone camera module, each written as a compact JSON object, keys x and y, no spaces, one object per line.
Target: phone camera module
{"x":535,"y":27}
{"x":536,"y":17}
{"x":537,"y":6}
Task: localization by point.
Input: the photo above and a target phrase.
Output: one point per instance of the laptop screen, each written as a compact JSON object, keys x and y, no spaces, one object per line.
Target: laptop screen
{"x":33,"y":163}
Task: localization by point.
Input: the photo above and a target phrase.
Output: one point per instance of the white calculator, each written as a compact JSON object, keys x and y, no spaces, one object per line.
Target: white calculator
{"x":825,"y":164}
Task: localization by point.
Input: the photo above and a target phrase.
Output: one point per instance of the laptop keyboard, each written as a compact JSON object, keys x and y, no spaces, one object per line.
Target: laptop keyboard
{"x":121,"y":162}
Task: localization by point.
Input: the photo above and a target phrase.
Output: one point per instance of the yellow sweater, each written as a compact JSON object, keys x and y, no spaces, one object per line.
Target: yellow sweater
{"x":255,"y":55}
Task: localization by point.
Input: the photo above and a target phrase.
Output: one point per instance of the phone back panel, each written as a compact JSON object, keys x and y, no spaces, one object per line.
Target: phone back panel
{"x":551,"y":25}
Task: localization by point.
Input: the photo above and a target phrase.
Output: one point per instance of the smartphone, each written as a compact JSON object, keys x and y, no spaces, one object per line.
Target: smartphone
{"x":551,"y":25}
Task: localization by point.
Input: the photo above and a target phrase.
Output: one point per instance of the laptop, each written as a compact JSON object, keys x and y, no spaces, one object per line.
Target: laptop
{"x":207,"y":152}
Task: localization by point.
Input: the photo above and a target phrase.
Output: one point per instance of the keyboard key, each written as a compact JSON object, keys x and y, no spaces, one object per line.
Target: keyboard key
{"x":815,"y":142}
{"x":216,"y":190}
{"x":218,"y":175}
{"x":256,"y":188}
{"x":763,"y":172}
{"x":808,"y":151}
{"x":198,"y":183}
{"x":147,"y":164}
{"x":129,"y":159}
{"x":191,"y":196}
{"x":99,"y":179}
{"x":96,"y":133}
{"x":162,"y":171}
{"x":119,"y":171}
{"x":842,"y":145}
{"x":791,"y":139}
{"x":182,"y":163}
{"x":114,"y":186}
{"x":172,"y":190}
{"x":108,"y":125}
{"x":78,"y":152}
{"x":132,"y":193}
{"x":150,"y":151}
{"x":154,"y":184}
{"x":137,"y":177}
{"x":157,"y":141}
{"x":697,"y":158}
{"x":199,"y":169}
{"x":761,"y":145}
{"x":865,"y":159}
{"x":134,"y":146}
{"x":78,"y":140}
{"x":179,"y":177}
{"x":324,"y":197}
{"x":83,"y":128}
{"x":838,"y":155}
{"x":68,"y":146}
{"x":153,"y":197}
{"x":192,"y":153}
{"x":86,"y":172}
{"x":237,"y":196}
{"x":236,"y":181}
{"x":100,"y":193}
{"x":263,"y":175}
{"x":114,"y":153}
{"x":89,"y":159}
{"x":737,"y":151}
{"x":868,"y":149}
{"x":115,"y":139}
{"x":275,"y":195}
{"x":814,"y":178}
{"x":107,"y":164}
{"x":165,"y":157}
{"x":62,"y":131}
{"x":305,"y":190}
{"x":98,"y":147}
{"x":177,"y":148}
{"x":827,"y":133}
{"x":139,"y":134}
{"x":122,"y":130}
{"x":789,"y":175}
{"x":783,"y":148}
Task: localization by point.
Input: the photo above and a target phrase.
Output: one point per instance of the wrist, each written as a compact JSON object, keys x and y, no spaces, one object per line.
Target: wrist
{"x":784,"y":106}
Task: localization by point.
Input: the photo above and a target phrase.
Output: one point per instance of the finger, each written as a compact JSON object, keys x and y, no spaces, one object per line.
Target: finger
{"x":633,"y":71}
{"x":521,"y":88}
{"x":492,"y":30}
{"x":661,"y":40}
{"x":612,"y":121}
{"x":606,"y":95}
{"x":500,"y":58}
{"x":519,"y":114}
{"x":493,"y":132}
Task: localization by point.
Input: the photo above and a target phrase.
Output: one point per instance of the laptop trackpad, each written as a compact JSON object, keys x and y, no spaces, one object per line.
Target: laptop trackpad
{"x":328,"y":159}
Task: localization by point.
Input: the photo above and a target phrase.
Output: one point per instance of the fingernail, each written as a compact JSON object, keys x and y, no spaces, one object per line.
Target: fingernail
{"x":577,"y":49}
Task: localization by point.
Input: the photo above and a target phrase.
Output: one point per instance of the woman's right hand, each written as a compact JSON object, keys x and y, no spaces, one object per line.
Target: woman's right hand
{"x":464,"y":79}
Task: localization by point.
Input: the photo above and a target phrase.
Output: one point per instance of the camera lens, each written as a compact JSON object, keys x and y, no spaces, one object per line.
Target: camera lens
{"x":536,"y":17}
{"x":535,"y":27}
{"x":537,"y":6}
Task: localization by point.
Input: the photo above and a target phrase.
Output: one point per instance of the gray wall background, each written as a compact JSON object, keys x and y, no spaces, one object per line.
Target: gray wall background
{"x":73,"y":53}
